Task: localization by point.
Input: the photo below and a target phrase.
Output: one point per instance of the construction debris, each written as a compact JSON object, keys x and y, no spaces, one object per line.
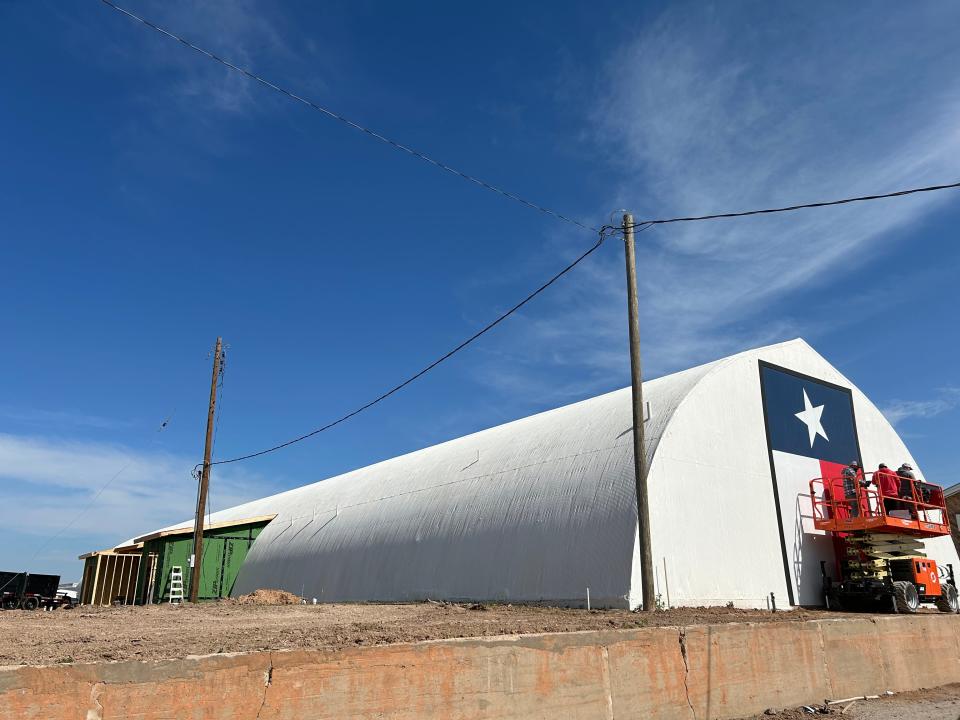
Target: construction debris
{"x":269,"y":597}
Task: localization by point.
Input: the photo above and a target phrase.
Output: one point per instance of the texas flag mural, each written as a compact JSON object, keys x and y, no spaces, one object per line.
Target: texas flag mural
{"x":811,"y":433}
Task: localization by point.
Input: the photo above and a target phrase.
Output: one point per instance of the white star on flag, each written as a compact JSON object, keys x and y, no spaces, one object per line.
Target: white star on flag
{"x":810,"y":416}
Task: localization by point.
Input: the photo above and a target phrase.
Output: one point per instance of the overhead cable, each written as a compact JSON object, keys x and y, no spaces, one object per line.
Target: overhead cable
{"x":482,"y":183}
{"x":602,"y":236}
{"x":791,"y":208}
{"x":347,"y":121}
{"x":603,"y":232}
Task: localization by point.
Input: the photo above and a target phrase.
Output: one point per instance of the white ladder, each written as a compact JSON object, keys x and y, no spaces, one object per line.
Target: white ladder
{"x":176,"y":584}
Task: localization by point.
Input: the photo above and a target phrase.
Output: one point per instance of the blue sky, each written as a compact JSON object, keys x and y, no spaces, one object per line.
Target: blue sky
{"x":151,"y":201}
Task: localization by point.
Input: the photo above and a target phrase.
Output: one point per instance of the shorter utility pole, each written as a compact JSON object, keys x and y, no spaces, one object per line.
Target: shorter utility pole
{"x":205,"y":477}
{"x":639,"y":448}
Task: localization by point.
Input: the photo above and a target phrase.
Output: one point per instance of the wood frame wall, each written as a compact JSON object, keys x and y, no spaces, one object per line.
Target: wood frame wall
{"x":110,"y":577}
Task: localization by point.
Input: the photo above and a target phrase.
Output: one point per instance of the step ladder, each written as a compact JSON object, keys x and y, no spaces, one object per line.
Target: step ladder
{"x":176,"y":584}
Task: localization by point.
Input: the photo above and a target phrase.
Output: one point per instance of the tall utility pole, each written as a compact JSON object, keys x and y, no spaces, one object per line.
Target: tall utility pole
{"x":639,"y":449}
{"x":204,"y":477}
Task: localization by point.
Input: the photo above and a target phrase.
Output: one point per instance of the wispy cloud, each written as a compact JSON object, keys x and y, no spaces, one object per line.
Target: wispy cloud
{"x":240,"y":30}
{"x":711,"y":117}
{"x":244,"y":32}
{"x":739,"y":106}
{"x":947,"y":399}
{"x":50,"y":482}
{"x":59,"y":418}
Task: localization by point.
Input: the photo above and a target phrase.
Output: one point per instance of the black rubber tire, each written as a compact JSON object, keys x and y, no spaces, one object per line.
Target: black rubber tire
{"x":30,"y":603}
{"x":11,"y":604}
{"x":906,"y":596}
{"x":948,"y":601}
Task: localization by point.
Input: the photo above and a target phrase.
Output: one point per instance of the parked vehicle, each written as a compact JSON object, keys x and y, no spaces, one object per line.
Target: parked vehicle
{"x":71,"y":590}
{"x":30,"y":591}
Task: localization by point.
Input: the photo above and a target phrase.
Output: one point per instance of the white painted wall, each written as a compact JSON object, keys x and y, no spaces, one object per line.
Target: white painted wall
{"x":710,"y":484}
{"x":806,"y":546}
{"x":714,"y":521}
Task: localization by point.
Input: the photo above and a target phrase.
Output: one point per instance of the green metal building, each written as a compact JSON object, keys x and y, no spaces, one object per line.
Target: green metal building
{"x":225,"y":547}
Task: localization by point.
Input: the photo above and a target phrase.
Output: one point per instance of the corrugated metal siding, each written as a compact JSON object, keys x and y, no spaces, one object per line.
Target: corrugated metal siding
{"x":224,"y":551}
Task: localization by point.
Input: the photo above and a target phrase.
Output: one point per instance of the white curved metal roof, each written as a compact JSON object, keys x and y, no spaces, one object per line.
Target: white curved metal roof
{"x":542,"y":508}
{"x":537,"y":509}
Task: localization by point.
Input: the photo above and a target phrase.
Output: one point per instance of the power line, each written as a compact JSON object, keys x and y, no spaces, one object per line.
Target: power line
{"x":347,"y":121}
{"x":603,"y":231}
{"x":790,"y":208}
{"x":602,"y":236}
{"x":477,"y":181}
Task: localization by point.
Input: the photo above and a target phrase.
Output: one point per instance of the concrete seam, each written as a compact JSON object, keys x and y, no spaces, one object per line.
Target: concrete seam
{"x":686,"y":670}
{"x":605,"y":670}
{"x":267,"y":681}
{"x":96,"y":713}
{"x":885,"y":674}
{"x":823,"y":655}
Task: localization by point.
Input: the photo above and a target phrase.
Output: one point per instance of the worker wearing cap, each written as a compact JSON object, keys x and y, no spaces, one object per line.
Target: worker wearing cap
{"x":905,"y":473}
{"x":852,"y":476}
{"x":889,"y":486}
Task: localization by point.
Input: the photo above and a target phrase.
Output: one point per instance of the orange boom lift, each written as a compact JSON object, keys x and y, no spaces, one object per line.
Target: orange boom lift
{"x":878,"y":539}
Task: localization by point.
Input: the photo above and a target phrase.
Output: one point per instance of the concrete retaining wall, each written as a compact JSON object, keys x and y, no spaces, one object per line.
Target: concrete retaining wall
{"x":715,"y":672}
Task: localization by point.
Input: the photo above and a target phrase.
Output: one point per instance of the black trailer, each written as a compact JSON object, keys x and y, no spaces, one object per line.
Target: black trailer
{"x":29,"y":591}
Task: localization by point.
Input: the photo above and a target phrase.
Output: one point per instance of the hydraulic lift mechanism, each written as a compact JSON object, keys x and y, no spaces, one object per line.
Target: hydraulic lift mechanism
{"x":880,"y":563}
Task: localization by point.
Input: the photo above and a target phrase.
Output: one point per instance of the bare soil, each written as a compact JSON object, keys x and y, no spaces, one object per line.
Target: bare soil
{"x":942,"y":703}
{"x":90,"y":634}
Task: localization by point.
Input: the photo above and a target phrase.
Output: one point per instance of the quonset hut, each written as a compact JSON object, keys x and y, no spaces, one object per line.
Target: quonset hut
{"x":540,"y":509}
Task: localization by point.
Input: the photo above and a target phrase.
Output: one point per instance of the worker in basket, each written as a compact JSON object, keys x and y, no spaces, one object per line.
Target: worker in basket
{"x":907,"y":478}
{"x":852,"y":478}
{"x":888,"y":484}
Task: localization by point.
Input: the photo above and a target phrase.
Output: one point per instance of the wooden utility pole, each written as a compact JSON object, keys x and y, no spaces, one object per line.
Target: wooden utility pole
{"x":204,"y":477}
{"x":639,"y":449}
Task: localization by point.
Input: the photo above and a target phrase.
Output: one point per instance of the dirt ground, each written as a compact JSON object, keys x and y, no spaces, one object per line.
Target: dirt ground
{"x":88,"y":634}
{"x":941,"y":703}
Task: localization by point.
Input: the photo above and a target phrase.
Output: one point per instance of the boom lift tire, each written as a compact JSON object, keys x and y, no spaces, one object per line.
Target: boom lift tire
{"x":948,"y":602}
{"x":906,"y":596}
